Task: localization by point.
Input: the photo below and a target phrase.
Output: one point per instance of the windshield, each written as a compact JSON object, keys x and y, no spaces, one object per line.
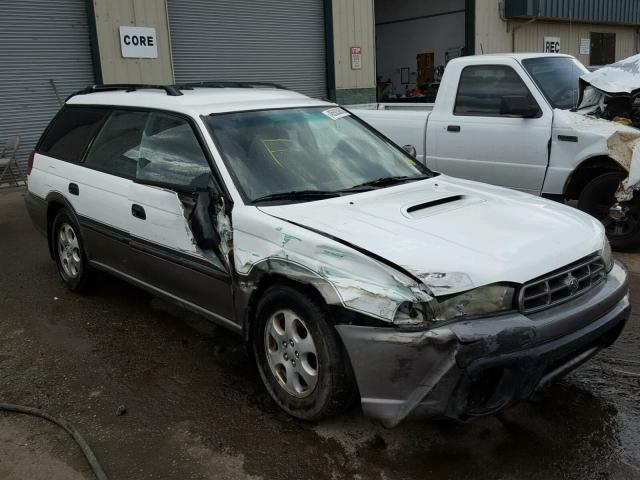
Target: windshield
{"x":557,"y":77}
{"x":313,"y":150}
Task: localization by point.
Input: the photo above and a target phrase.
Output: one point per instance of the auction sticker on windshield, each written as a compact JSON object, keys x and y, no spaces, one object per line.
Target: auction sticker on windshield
{"x":336,"y":113}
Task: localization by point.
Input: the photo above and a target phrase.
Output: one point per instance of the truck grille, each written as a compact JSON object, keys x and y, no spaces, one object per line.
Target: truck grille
{"x":560,"y":286}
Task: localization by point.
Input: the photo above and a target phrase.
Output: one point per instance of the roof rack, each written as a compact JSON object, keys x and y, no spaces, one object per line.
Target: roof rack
{"x":173,"y":90}
{"x":224,"y":84}
{"x":127,"y":87}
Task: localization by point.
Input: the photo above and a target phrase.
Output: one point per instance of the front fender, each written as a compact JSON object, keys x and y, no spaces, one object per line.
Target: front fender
{"x":263,"y":244}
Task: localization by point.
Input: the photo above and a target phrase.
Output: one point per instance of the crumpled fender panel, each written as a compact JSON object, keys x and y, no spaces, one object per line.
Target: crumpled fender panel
{"x":266,"y":245}
{"x":620,"y":142}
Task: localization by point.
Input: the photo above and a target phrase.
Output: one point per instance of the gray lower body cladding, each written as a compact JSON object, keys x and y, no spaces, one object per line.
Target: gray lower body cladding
{"x":481,"y":366}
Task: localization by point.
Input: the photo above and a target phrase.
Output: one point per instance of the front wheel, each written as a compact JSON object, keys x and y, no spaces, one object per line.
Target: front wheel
{"x":299,"y":355}
{"x":598,"y":196}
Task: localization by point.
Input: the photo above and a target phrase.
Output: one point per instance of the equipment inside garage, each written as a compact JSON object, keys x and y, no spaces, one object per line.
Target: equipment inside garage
{"x":414,"y":41}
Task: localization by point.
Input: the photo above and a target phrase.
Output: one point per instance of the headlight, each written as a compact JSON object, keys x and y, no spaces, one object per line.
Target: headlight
{"x":479,"y":301}
{"x":607,"y":255}
{"x":486,"y":300}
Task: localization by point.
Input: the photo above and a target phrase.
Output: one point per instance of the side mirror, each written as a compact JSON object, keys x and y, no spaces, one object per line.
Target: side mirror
{"x":410,"y":149}
{"x":203,"y":222}
{"x":519,"y":106}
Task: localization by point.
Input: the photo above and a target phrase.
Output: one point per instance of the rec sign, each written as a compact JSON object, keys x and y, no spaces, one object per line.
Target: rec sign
{"x":551,"y":45}
{"x":138,"y":42}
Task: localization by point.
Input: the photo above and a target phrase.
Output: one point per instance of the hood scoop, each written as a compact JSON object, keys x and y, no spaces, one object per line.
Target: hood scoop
{"x":420,"y":209}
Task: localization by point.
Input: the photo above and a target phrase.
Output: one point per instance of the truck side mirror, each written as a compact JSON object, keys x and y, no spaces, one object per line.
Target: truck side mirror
{"x":410,"y":149}
{"x":519,"y":106}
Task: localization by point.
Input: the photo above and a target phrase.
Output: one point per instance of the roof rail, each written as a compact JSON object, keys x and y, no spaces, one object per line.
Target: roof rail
{"x":224,"y":84}
{"x":127,"y":87}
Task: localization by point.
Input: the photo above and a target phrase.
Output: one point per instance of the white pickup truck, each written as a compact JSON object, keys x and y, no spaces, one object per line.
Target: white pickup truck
{"x":510,"y":120}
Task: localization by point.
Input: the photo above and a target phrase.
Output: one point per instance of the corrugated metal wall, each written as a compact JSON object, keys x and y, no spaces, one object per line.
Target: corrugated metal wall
{"x":280,"y":41}
{"x":593,"y":11}
{"x":530,"y":38}
{"x":40,"y":41}
{"x":492,"y":35}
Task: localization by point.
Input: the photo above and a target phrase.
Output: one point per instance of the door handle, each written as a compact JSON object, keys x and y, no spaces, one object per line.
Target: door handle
{"x":453,"y":128}
{"x":138,"y":212}
{"x":74,"y":189}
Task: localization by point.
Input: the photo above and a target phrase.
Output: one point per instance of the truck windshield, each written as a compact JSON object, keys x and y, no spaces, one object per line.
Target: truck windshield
{"x":310,"y":152}
{"x":557,"y":78}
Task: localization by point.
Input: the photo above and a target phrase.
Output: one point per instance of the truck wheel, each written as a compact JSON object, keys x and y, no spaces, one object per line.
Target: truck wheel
{"x":598,"y":196}
{"x":69,"y":253}
{"x":299,"y":355}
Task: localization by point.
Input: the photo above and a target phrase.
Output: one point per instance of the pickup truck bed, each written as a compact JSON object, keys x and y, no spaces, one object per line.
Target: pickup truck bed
{"x":402,"y":122}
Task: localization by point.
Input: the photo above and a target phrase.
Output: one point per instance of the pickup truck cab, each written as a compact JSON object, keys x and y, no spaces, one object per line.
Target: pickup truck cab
{"x":509,"y":120}
{"x":350,"y":269}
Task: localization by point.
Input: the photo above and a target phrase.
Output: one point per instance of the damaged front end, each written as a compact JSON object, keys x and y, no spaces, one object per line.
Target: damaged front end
{"x":480,"y":366}
{"x":612,"y":93}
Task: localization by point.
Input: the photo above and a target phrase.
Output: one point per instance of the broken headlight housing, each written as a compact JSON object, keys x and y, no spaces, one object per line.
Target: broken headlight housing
{"x":607,"y":255}
{"x":487,"y":300}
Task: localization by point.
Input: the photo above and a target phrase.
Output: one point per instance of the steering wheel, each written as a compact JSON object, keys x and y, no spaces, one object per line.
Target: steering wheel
{"x":561,"y":95}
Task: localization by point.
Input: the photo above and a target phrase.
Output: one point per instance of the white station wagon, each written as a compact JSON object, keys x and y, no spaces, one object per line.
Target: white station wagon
{"x":351,"y":269}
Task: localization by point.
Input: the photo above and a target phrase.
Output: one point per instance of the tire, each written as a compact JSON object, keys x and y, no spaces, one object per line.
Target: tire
{"x":69,"y":252}
{"x":285,"y":314}
{"x":598,"y":196}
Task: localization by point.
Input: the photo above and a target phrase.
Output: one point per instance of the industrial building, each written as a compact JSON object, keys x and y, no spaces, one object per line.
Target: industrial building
{"x":352,"y":51}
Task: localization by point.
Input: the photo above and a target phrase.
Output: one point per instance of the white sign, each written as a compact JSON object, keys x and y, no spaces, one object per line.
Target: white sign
{"x":138,"y":42}
{"x":356,"y":58}
{"x":585,"y":46}
{"x":551,"y":45}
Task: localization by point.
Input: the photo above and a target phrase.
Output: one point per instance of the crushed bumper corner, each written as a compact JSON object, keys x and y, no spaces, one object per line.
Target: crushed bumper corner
{"x":479,"y":367}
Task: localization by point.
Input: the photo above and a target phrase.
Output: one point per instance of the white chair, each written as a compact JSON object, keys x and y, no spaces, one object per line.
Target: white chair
{"x":8,"y":160}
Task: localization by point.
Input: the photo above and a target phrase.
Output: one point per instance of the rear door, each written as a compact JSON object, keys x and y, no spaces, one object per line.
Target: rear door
{"x":109,"y":169}
{"x":171,"y":169}
{"x":474,"y":140}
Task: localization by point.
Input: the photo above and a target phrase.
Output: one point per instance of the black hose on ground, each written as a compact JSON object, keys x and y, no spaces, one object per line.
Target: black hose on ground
{"x":84,"y":446}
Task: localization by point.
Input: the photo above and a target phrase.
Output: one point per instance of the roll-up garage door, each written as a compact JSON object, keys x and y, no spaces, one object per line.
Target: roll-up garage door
{"x":280,"y":41}
{"x":45,"y":55}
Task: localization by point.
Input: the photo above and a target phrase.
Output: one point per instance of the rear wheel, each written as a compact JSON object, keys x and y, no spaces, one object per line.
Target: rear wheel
{"x":299,"y":355}
{"x":69,"y":253}
{"x":598,"y":196}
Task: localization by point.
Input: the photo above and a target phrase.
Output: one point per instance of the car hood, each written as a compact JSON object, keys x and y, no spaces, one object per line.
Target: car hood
{"x":618,"y":78}
{"x":454,"y":234}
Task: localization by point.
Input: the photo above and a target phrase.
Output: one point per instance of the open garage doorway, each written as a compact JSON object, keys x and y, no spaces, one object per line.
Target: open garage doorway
{"x":414,"y":41}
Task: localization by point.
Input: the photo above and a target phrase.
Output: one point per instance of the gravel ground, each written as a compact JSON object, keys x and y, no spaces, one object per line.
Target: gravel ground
{"x":196,"y":409}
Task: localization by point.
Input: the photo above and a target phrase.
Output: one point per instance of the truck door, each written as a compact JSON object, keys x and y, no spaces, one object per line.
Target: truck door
{"x":478,"y":137}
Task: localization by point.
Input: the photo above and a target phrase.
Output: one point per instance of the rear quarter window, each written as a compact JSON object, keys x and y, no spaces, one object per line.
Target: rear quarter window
{"x":70,"y":132}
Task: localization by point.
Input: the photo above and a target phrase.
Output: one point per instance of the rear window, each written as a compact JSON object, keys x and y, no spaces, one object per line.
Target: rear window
{"x":70,"y":133}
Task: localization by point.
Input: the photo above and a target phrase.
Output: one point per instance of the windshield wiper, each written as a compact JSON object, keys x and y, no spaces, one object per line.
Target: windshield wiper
{"x":297,"y":195}
{"x":387,"y":181}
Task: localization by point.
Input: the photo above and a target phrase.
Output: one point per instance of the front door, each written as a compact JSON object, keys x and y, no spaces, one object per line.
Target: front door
{"x":171,"y":169}
{"x":474,"y":140}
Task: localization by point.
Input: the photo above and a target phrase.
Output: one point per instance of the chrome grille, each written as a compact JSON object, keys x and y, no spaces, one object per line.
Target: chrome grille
{"x":563,"y":285}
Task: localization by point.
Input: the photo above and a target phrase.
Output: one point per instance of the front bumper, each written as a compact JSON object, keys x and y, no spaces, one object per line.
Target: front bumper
{"x":481,"y":366}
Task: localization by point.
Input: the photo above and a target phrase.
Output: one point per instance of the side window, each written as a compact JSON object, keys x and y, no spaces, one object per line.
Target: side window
{"x":116,"y":149}
{"x":70,"y":133}
{"x":171,"y":154}
{"x":482,"y":87}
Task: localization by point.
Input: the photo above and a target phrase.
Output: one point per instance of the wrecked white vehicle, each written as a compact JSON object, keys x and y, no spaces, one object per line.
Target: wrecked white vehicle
{"x":613,"y":92}
{"x":510,"y":120}
{"x":352,"y":270}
